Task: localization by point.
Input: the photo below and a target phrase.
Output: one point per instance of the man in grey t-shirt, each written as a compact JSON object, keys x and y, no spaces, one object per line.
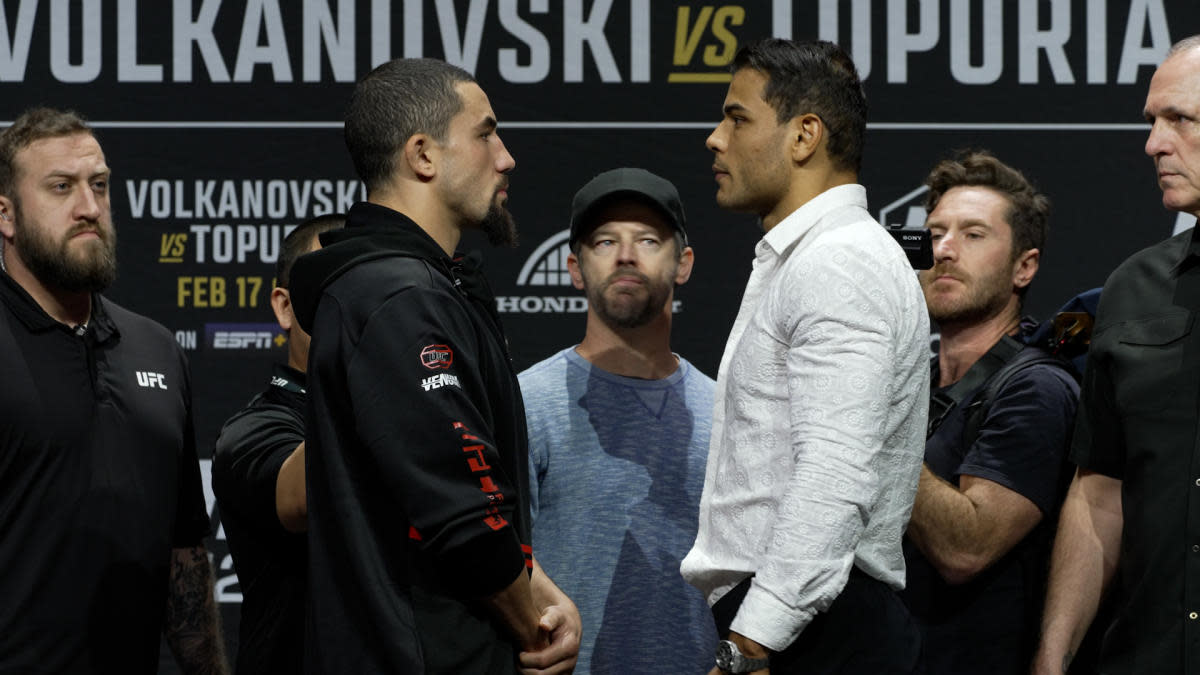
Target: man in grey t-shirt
{"x":618,"y":436}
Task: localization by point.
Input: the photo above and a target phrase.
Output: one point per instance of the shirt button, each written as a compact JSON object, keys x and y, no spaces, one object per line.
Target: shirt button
{"x":1195,"y":548}
{"x":1198,"y":482}
{"x":1192,"y":615}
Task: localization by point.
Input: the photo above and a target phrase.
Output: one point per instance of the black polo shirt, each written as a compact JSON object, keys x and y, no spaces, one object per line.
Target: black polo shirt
{"x":98,"y":482}
{"x":989,"y":625}
{"x":270,"y":561}
{"x":1137,"y":422}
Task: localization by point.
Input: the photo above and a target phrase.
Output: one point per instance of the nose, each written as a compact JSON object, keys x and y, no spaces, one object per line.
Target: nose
{"x":627,"y":252}
{"x":945,"y":248}
{"x":716,"y":140}
{"x":88,"y":206}
{"x":504,"y":161}
{"x":1157,"y":142}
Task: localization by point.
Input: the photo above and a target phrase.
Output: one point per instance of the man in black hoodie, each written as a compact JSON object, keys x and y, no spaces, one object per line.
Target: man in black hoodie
{"x":419,"y":555}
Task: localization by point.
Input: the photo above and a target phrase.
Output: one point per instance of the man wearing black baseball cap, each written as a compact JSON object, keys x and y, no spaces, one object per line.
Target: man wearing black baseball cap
{"x":623,"y":420}
{"x":632,"y":184}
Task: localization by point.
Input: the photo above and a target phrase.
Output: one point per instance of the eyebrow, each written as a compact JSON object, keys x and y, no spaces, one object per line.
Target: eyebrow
{"x":1166,"y":110}
{"x":63,"y":173}
{"x":488,"y":123}
{"x":972,"y":222}
{"x":733,"y":107}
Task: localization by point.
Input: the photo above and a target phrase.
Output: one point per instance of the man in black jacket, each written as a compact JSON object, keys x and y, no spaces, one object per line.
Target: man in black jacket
{"x":258,"y":479}
{"x":419,"y":555}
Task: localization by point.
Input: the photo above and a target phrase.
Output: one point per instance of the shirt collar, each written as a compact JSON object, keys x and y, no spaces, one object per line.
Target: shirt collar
{"x":791,"y":229}
{"x":30,"y":313}
{"x":289,"y":379}
{"x":1190,"y":254}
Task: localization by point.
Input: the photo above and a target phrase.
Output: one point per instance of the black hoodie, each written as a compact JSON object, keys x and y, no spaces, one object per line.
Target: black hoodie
{"x":416,"y":455}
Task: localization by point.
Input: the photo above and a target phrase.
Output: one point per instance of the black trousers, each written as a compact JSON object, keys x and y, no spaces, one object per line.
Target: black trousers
{"x":867,"y":630}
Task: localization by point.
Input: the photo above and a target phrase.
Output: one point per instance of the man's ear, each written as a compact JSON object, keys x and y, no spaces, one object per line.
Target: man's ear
{"x":573,"y":270}
{"x":1025,"y":267}
{"x":281,"y":304}
{"x":807,"y":132}
{"x":421,"y":155}
{"x":684,"y":272}
{"x":7,"y":214}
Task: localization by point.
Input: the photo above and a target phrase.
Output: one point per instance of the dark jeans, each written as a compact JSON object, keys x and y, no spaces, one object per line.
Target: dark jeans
{"x":867,"y":630}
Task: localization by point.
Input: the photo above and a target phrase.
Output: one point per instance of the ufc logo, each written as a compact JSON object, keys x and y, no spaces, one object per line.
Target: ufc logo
{"x":148,"y":379}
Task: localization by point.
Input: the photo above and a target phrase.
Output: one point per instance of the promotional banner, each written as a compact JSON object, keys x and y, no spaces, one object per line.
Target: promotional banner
{"x":221,"y":121}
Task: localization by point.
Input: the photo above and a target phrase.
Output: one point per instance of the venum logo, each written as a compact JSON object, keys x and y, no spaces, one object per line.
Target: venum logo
{"x":546,"y":267}
{"x":437,"y":357}
{"x":151,"y":380}
{"x":440,"y":380}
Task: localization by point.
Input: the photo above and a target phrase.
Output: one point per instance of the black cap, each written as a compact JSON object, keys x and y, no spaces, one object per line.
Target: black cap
{"x":637,"y":184}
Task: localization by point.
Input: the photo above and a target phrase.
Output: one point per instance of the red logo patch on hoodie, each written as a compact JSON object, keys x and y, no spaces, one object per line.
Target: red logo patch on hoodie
{"x":437,"y":357}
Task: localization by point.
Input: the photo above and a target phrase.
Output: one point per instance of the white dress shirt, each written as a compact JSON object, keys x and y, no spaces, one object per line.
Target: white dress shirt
{"x":819,"y":420}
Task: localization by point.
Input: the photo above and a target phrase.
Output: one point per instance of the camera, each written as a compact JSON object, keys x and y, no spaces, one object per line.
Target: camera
{"x":916,"y":244}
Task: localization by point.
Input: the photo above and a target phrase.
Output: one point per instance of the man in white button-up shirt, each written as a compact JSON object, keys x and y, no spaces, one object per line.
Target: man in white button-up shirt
{"x":822,"y":393}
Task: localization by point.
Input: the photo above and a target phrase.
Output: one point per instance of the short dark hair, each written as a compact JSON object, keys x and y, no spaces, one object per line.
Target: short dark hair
{"x":813,"y":77}
{"x":1028,"y":210}
{"x":393,"y":102}
{"x":34,"y":125}
{"x":299,"y":240}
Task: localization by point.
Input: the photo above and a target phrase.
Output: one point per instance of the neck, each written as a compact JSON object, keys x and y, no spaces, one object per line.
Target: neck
{"x":643,"y":352}
{"x":426,"y":212}
{"x":963,"y":345}
{"x":806,"y":186}
{"x":297,"y":361}
{"x":72,"y":308}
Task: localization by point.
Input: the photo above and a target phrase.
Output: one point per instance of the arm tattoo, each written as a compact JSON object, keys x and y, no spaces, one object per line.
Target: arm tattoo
{"x":192,"y":627}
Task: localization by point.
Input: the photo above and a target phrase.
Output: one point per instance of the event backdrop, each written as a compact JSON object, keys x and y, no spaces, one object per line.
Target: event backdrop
{"x":221,"y":121}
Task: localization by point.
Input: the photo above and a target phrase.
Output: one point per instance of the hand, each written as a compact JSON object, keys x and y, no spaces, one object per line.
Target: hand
{"x":718,"y":671}
{"x":564,"y":627}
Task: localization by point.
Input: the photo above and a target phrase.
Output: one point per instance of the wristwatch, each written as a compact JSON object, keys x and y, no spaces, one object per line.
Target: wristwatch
{"x":730,"y":660}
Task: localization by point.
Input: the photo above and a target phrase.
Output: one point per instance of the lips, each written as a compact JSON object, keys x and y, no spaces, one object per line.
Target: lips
{"x":85,"y":231}
{"x":627,"y":279}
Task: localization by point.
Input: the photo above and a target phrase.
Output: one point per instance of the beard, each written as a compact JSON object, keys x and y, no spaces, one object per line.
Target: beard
{"x":91,"y":267}
{"x":628,"y":310}
{"x":984,"y":297}
{"x":499,"y":227}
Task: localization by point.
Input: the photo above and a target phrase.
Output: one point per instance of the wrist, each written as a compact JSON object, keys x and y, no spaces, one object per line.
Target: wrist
{"x":731,"y":659}
{"x":748,"y":647}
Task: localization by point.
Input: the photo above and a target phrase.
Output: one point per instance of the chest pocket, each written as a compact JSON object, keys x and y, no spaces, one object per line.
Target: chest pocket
{"x":1149,"y":367}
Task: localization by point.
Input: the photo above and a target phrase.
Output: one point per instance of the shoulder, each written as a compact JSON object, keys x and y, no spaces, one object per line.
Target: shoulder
{"x":696,"y":378}
{"x":387,"y":276}
{"x":1037,"y":382}
{"x":260,"y":420}
{"x":1140,"y":286}
{"x":855,"y":249}
{"x":134,"y":325}
{"x":546,"y":377}
{"x":403,"y":291}
{"x":144,"y":337}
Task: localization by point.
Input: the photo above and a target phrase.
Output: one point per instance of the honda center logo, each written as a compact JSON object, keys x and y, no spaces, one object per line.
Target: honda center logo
{"x":546,"y":268}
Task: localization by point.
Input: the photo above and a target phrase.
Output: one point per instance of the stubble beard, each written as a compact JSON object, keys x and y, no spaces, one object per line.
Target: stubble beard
{"x":984,"y":298}
{"x":628,"y":311}
{"x":55,"y":265}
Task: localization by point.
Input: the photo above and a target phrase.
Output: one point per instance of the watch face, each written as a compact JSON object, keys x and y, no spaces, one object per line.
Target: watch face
{"x":725,"y":651}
